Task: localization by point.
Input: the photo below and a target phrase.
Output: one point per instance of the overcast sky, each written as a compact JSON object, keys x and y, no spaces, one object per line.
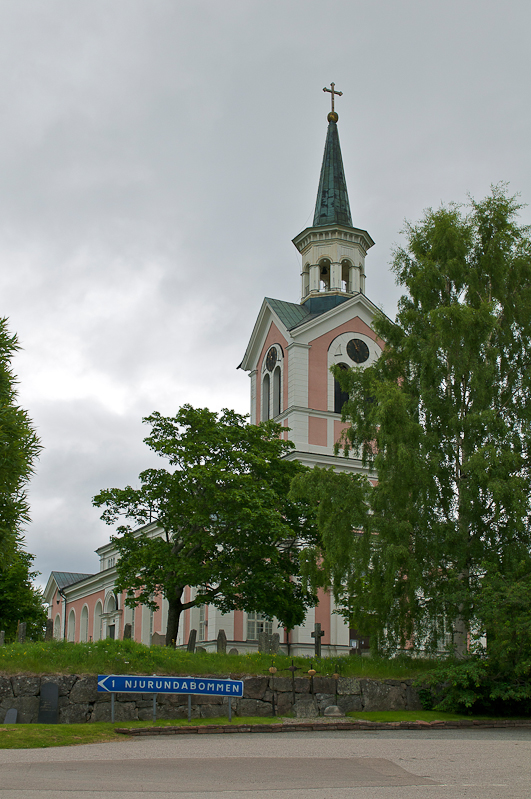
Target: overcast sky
{"x":158,"y":156}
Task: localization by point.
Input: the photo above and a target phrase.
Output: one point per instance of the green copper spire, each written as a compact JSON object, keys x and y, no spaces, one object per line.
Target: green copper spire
{"x":332,"y":206}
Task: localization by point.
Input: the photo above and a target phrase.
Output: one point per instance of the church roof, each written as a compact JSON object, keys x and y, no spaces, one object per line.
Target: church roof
{"x":292,"y":315}
{"x":332,"y":206}
{"x":64,"y":579}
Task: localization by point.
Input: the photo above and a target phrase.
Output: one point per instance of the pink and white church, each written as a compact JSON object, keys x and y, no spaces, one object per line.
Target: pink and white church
{"x":288,"y":358}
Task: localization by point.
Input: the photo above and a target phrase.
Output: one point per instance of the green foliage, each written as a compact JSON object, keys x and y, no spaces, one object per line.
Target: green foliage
{"x":19,"y":599}
{"x":19,"y":447}
{"x":443,"y":417}
{"x":229,"y":529}
{"x":497,"y":678}
{"x":129,"y":657}
{"x":336,"y":559}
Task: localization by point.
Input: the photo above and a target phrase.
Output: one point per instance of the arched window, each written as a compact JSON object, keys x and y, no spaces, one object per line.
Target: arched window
{"x":97,"y":621}
{"x":324,"y":275}
{"x":83,"y":630}
{"x":266,"y":411}
{"x":71,"y":633}
{"x":340,"y":396}
{"x":277,"y":392}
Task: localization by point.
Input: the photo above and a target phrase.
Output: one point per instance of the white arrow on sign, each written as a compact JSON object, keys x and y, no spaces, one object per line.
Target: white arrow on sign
{"x":101,"y":683}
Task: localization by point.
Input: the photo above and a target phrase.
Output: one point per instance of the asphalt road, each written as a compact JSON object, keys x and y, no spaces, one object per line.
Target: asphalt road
{"x":475,"y":764}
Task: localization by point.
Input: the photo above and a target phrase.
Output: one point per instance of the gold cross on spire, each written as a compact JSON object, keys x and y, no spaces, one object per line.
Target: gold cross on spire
{"x":332,"y":91}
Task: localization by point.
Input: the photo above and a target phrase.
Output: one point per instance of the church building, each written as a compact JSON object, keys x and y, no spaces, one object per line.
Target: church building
{"x":289,"y":355}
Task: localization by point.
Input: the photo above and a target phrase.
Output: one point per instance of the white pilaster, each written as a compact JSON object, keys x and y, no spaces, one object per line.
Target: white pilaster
{"x":298,"y":374}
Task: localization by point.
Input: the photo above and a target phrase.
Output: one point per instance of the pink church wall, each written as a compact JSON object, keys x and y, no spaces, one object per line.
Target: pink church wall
{"x":318,"y":360}
{"x":274,"y":336}
{"x":317,"y":431}
{"x":338,"y":429}
{"x":238,"y":625}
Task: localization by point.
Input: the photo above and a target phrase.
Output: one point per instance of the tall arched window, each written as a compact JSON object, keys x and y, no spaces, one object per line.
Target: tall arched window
{"x":83,"y":627}
{"x":98,"y":610}
{"x":71,"y":632}
{"x":277,"y":392}
{"x":340,"y":396}
{"x":266,"y":411}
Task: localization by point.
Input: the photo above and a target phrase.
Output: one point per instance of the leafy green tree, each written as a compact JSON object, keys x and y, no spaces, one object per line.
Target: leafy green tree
{"x":229,"y":530}
{"x":19,"y":448}
{"x":19,"y":599}
{"x":444,"y":420}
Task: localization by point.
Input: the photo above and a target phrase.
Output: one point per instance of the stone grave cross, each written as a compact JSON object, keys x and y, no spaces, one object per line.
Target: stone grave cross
{"x":317,"y":635}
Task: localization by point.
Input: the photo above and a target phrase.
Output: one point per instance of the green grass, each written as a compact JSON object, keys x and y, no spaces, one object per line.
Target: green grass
{"x":129,"y":657}
{"x":408,"y":715}
{"x":40,"y":736}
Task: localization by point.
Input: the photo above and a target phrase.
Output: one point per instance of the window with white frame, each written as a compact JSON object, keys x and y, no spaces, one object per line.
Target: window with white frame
{"x":256,"y":624}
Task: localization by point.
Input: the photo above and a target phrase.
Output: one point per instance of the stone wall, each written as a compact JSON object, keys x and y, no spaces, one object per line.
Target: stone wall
{"x":79,"y":700}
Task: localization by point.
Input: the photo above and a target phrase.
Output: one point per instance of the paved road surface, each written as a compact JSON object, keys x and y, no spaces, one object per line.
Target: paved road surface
{"x":475,"y":764}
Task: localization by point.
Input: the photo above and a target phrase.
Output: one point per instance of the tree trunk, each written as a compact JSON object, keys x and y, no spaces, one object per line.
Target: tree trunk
{"x":175,"y":608}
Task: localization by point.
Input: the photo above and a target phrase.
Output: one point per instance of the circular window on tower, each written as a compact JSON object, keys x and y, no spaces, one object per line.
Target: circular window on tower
{"x":271,"y":359}
{"x":357,"y":350}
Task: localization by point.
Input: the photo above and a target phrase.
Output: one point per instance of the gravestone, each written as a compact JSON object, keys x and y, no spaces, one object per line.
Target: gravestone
{"x":49,"y":630}
{"x":274,"y":648}
{"x":233,"y":651}
{"x":21,"y":632}
{"x":2,"y":637}
{"x":317,"y":634}
{"x":191,"y":641}
{"x":11,"y":716}
{"x":222,"y":643}
{"x":127,"y":631}
{"x":200,"y":649}
{"x":264,"y":643}
{"x":158,"y":639}
{"x":48,"y":705}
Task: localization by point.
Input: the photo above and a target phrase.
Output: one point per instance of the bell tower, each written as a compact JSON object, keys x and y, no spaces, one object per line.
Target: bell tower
{"x":333,"y":251}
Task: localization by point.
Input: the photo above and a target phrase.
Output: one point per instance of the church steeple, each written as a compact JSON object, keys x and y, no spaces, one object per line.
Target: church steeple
{"x":332,"y":206}
{"x":333,"y":250}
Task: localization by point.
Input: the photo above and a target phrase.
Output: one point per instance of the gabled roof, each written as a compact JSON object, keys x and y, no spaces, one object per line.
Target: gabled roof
{"x":332,"y":206}
{"x":64,"y":579}
{"x":290,"y":314}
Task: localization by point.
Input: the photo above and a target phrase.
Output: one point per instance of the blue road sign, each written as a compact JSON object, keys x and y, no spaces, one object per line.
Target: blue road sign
{"x":133,"y":684}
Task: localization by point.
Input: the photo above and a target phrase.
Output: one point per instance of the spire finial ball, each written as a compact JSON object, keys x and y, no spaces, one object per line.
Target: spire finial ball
{"x":332,"y":116}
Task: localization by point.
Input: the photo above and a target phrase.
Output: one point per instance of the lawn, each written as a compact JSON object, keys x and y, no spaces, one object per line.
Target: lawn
{"x":129,"y":657}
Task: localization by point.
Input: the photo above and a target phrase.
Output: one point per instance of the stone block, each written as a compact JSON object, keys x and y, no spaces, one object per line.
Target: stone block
{"x":27,"y":707}
{"x":305,"y":709}
{"x":199,"y":699}
{"x":26,"y":686}
{"x":349,"y":703}
{"x":74,"y":714}
{"x":86,"y":690}
{"x":412,"y":698}
{"x":6,"y":689}
{"x":324,"y":700}
{"x":283,"y":704}
{"x":382,"y":696}
{"x":246,"y":707}
{"x":233,"y":651}
{"x":65,"y":682}
{"x":255,"y":687}
{"x":214,"y":711}
{"x":333,"y":710}
{"x":302,"y":685}
{"x":170,"y":700}
{"x":348,"y":685}
{"x":324,"y":685}
{"x":123,"y":711}
{"x":281,"y":684}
